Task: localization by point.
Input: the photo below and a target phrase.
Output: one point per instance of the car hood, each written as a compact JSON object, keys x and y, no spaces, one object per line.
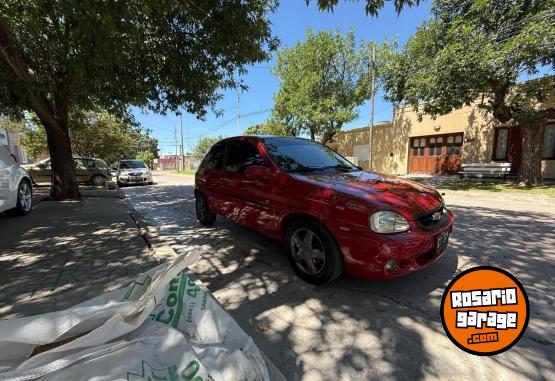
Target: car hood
{"x":382,"y":192}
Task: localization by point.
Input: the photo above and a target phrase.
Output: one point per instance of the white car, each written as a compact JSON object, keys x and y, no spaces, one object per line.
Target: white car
{"x":133,"y":172}
{"x":16,"y":189}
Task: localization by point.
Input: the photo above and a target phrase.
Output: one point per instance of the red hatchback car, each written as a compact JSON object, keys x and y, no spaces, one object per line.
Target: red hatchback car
{"x":330,"y":214}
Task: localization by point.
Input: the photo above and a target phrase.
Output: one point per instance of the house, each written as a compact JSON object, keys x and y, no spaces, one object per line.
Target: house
{"x":172,"y":162}
{"x":440,"y":146}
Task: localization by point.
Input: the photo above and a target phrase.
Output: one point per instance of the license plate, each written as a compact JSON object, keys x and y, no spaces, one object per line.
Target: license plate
{"x":134,"y":178}
{"x":441,"y":240}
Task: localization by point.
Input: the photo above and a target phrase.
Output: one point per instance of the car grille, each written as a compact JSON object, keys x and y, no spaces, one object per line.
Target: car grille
{"x":427,"y":222}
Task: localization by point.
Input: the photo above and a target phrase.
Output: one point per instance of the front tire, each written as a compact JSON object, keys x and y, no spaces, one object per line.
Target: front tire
{"x":24,"y":198}
{"x":98,"y":180}
{"x":205,"y":216}
{"x":313,"y":252}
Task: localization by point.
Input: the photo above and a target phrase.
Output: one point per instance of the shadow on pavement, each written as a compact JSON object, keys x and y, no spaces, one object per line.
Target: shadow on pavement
{"x":360,"y":329}
{"x":65,"y":252}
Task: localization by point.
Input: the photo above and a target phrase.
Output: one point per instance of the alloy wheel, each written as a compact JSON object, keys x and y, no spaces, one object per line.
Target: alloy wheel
{"x":308,"y":251}
{"x":25,"y":196}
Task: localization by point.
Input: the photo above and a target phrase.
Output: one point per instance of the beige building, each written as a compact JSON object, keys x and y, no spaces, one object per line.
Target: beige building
{"x":441,"y":145}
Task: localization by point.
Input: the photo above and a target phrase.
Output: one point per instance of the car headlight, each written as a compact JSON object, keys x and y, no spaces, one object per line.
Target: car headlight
{"x":388,"y":222}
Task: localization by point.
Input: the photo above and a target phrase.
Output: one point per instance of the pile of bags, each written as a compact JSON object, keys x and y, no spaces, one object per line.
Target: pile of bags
{"x":162,"y":327}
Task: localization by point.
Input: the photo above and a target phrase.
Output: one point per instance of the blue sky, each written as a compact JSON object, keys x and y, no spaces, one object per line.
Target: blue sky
{"x":290,"y":22}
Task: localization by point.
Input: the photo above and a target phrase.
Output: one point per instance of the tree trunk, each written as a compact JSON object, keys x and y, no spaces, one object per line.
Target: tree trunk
{"x":64,"y":184}
{"x":530,"y":165}
{"x":312,"y":135}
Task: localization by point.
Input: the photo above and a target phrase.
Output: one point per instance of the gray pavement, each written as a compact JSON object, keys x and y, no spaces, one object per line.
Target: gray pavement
{"x":63,"y":253}
{"x":357,"y":329}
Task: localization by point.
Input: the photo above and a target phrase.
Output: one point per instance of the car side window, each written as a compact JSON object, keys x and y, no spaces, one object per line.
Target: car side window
{"x":240,"y":154}
{"x":215,"y":156}
{"x":79,"y":164}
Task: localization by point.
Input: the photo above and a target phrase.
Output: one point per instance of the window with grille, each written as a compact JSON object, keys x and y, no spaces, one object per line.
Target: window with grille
{"x":548,"y":151}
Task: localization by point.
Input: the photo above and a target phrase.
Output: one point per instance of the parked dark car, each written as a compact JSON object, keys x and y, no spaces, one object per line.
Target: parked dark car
{"x":330,"y":214}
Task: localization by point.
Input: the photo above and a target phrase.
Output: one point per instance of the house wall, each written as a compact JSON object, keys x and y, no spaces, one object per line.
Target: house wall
{"x":391,"y":141}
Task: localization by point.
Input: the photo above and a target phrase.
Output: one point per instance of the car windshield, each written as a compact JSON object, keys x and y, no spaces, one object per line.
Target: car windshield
{"x":300,"y":155}
{"x":132,"y":164}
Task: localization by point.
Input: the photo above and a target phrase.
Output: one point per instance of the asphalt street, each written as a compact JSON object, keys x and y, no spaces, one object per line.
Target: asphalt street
{"x":358,"y":329}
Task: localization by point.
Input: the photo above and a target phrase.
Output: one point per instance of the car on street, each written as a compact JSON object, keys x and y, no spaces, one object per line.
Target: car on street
{"x":16,"y":189}
{"x":331,"y":215}
{"x":88,"y":170}
{"x":133,"y":172}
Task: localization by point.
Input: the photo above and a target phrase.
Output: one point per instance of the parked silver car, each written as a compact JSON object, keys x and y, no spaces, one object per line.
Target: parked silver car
{"x":16,"y":189}
{"x":133,"y":172}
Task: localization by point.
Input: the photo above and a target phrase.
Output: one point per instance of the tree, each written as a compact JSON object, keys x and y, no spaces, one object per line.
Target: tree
{"x":270,"y":127}
{"x":57,"y":56}
{"x":477,"y":51}
{"x":94,"y":134}
{"x":372,"y":6}
{"x":323,"y":80}
{"x":204,"y":145}
{"x":147,"y":157}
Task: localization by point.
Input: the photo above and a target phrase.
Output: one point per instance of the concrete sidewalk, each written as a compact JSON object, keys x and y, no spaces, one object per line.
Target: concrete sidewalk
{"x":66,"y":252}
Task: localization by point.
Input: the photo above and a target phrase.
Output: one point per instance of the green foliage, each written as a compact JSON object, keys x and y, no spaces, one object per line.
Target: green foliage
{"x":94,"y":134}
{"x":204,"y":145}
{"x":147,"y":157}
{"x":162,"y":55}
{"x":59,"y":56}
{"x":270,"y":127}
{"x":323,"y":80}
{"x":476,"y":50}
{"x":372,"y":6}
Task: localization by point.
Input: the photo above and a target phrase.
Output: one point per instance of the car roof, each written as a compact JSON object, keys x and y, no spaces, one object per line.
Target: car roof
{"x":261,"y":137}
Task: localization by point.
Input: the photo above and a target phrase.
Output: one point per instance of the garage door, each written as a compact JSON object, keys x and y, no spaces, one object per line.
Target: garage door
{"x":438,"y":154}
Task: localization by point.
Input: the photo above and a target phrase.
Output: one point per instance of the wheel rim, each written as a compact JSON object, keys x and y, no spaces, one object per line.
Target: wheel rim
{"x":98,"y":180}
{"x":25,"y":196}
{"x":201,"y":208}
{"x":308,"y":251}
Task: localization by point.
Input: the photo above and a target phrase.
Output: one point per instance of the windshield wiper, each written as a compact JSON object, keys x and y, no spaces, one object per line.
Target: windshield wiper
{"x":340,"y":167}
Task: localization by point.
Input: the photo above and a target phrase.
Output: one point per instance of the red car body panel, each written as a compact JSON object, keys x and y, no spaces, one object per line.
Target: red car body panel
{"x":343,"y":202}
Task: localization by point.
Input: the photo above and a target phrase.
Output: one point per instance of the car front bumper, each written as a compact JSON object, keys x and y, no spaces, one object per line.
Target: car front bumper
{"x":386,"y":256}
{"x":135,"y":180}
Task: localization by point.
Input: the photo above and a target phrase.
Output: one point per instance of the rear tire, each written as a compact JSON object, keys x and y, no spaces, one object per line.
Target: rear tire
{"x":24,"y":198}
{"x":204,"y":214}
{"x":313,"y":252}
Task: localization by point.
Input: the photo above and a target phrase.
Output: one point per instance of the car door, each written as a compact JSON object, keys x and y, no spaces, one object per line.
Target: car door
{"x":208,"y":176}
{"x":42,"y":172}
{"x":249,"y":197}
{"x":5,"y":192}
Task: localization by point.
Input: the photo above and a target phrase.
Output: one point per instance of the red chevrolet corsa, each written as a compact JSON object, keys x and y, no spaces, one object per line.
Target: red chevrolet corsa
{"x":330,"y":214}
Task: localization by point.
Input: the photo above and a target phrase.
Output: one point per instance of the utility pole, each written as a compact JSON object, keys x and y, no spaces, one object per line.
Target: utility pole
{"x":372,"y":95}
{"x":238,"y":114}
{"x":182,"y":152}
{"x":176,"y":145}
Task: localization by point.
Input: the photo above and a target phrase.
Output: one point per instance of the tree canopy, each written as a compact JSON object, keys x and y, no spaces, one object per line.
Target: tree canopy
{"x":323,"y":80}
{"x":480,"y":51}
{"x":270,"y":127}
{"x":162,"y":55}
{"x":372,"y":7}
{"x":94,"y":134}
{"x":203,"y":145}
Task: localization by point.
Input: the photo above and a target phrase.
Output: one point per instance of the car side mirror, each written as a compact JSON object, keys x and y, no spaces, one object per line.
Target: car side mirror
{"x":259,"y":171}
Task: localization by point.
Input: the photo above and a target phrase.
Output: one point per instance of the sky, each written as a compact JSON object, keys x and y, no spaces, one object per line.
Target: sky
{"x":289,"y":23}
